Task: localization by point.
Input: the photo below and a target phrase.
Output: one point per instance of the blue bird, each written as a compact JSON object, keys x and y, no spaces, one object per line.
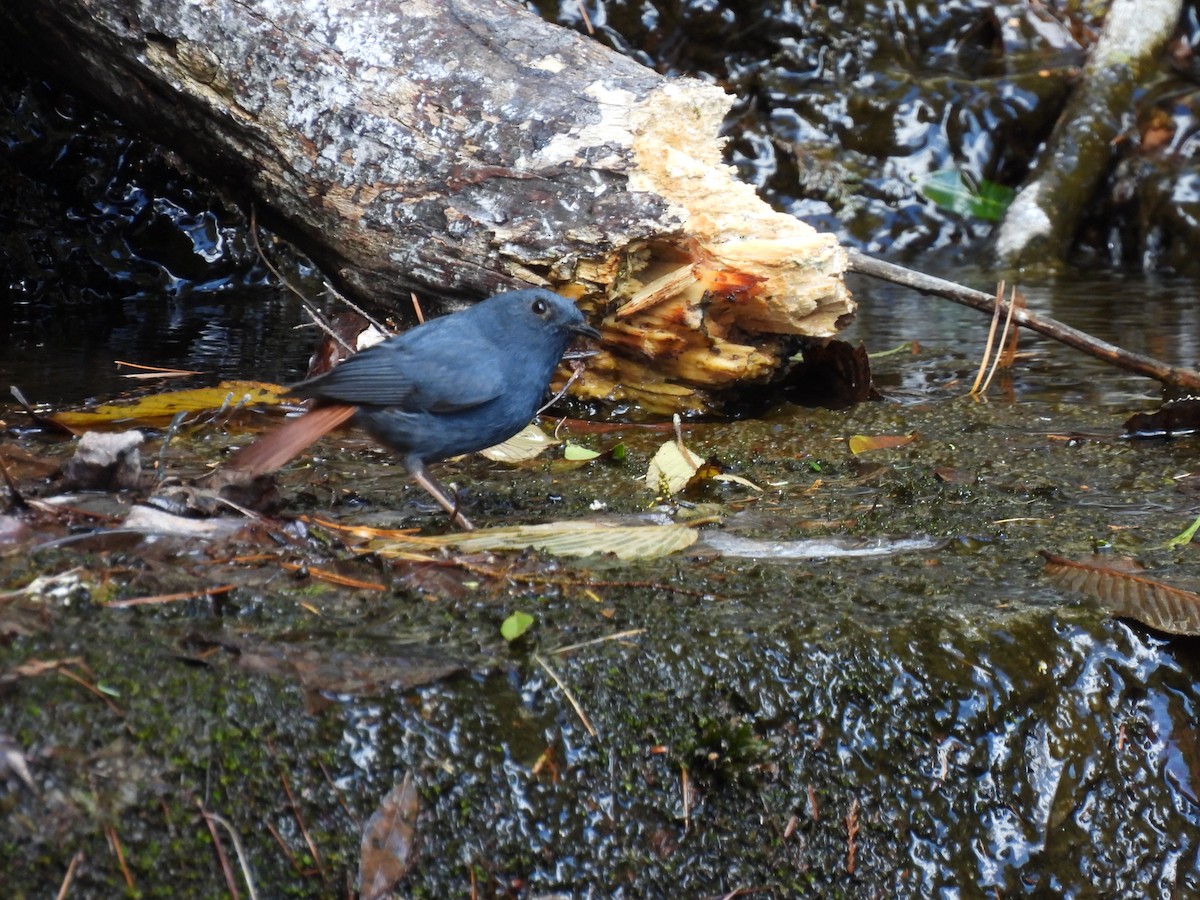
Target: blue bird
{"x":453,"y":385}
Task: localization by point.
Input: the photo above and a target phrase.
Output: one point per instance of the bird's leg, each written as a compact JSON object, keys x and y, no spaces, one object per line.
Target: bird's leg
{"x":421,"y":476}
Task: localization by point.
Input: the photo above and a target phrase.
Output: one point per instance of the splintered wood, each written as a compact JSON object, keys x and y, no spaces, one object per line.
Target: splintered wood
{"x":676,"y":339}
{"x":714,"y":304}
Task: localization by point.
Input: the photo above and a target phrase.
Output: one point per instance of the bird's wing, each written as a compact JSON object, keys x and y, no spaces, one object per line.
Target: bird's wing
{"x":429,"y":368}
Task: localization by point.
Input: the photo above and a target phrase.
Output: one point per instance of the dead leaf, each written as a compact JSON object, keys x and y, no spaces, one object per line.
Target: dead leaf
{"x":157,"y":409}
{"x":1157,"y":130}
{"x":675,"y":468}
{"x":346,"y":329}
{"x":388,"y":840}
{"x":951,"y":475}
{"x":318,"y":667}
{"x":1125,"y":593}
{"x":571,"y":538}
{"x":1175,"y":417}
{"x":833,"y":375}
{"x":713,"y":470}
{"x":864,"y":443}
{"x":672,"y":468}
{"x":528,"y":443}
{"x":18,"y":620}
{"x":152,"y":520}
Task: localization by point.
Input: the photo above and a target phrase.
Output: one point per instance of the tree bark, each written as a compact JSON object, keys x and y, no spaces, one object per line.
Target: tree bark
{"x":458,"y":147}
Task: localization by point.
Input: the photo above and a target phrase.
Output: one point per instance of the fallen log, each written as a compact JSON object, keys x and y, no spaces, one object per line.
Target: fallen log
{"x":460,"y":147}
{"x":1043,"y":221}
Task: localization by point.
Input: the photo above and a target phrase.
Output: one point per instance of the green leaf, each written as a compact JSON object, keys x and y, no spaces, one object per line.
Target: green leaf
{"x":578,"y":453}
{"x":1185,"y":537}
{"x":955,"y":192}
{"x":515,"y":625}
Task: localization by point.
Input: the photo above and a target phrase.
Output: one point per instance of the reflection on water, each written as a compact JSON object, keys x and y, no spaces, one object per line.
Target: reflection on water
{"x":74,"y":360}
{"x":250,"y":333}
{"x":1154,"y":316}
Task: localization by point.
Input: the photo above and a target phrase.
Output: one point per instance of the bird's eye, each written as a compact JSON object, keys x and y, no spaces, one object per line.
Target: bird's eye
{"x":539,"y":307}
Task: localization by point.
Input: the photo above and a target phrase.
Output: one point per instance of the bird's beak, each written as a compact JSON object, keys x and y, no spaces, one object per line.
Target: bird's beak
{"x":586,"y":330}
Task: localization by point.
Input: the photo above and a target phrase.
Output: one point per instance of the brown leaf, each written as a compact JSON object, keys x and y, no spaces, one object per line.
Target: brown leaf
{"x":387,"y":842}
{"x":1128,"y":594}
{"x":353,"y":330}
{"x":1157,"y":131}
{"x":833,"y":374}
{"x":951,"y":475}
{"x":19,"y":620}
{"x":318,"y":667}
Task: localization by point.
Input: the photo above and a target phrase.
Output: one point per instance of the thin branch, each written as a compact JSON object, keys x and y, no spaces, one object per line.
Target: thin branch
{"x":987,"y":347}
{"x":686,"y":790}
{"x":287,"y":789}
{"x":170,"y":598}
{"x":632,"y":632}
{"x":313,"y":313}
{"x":222,"y":857}
{"x":115,"y":843}
{"x":70,"y":876}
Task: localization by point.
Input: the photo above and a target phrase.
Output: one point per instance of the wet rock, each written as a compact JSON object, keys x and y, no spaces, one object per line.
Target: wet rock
{"x":105,"y":462}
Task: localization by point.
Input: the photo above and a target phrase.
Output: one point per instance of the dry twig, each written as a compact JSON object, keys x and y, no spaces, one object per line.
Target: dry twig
{"x":69,"y":876}
{"x":567,"y":693}
{"x":210,"y":818}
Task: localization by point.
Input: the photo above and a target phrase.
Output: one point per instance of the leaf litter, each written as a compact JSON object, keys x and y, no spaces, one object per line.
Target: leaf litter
{"x":1119,"y":586}
{"x":675,"y":468}
{"x":388,"y":837}
{"x":189,"y":554}
{"x":389,"y":841}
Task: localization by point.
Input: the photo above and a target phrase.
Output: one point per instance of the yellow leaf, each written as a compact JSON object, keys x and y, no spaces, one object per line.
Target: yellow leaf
{"x":161,"y":408}
{"x":865,"y":443}
{"x":672,"y":468}
{"x":737,"y":479}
